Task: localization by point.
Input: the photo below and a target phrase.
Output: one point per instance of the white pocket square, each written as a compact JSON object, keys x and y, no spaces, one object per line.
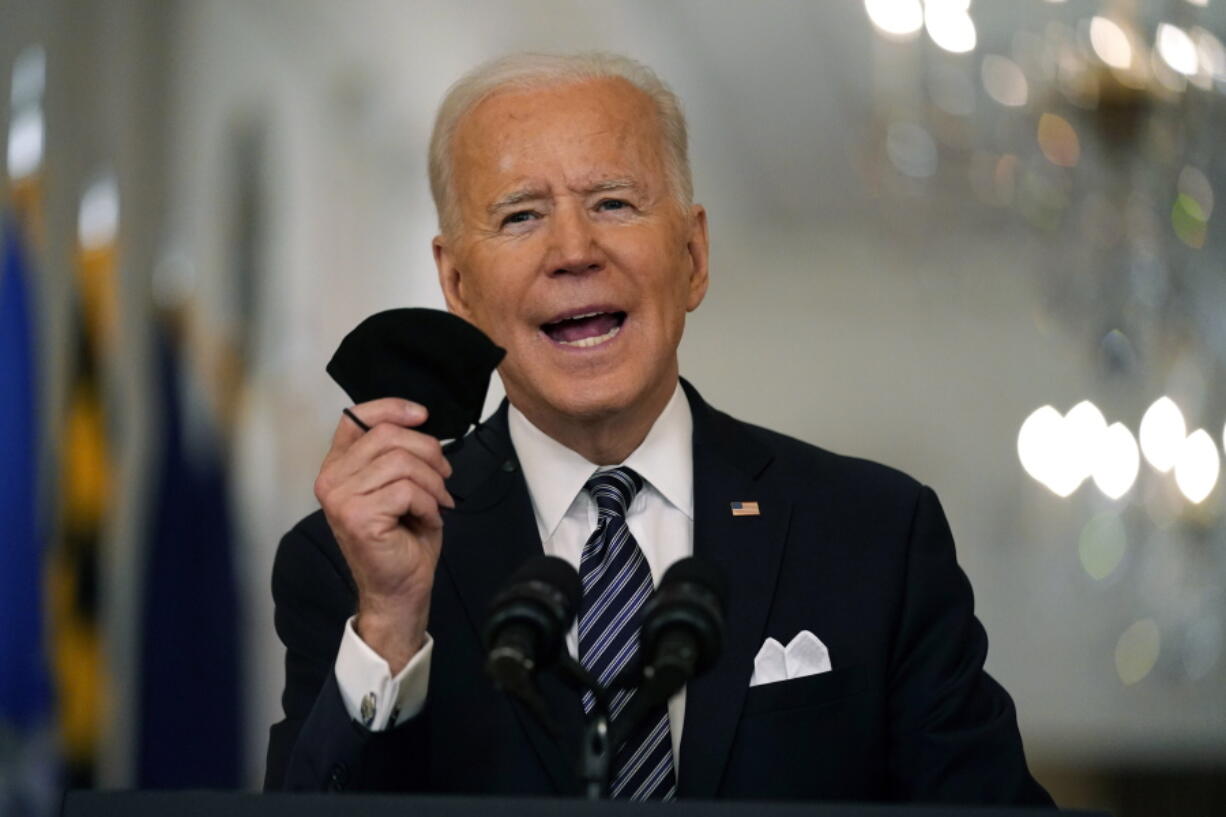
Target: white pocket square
{"x":804,"y":655}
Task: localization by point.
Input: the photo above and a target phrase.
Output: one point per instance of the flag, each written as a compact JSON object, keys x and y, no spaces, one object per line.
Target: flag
{"x":87,"y":492}
{"x":26,"y":747}
{"x":190,"y":699}
{"x":745,"y":509}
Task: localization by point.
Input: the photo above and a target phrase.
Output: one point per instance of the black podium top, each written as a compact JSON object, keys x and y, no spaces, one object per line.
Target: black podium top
{"x":227,"y":804}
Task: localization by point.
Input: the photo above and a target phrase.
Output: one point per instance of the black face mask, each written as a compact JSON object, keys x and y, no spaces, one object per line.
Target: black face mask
{"x":425,"y":355}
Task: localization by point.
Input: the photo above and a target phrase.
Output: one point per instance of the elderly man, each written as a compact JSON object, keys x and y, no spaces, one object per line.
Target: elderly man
{"x":568,"y":235}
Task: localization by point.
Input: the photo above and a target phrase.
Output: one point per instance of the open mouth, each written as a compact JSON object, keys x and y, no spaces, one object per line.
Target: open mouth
{"x":588,"y":329}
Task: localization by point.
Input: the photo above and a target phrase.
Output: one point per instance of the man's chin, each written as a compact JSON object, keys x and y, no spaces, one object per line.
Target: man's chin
{"x":588,"y":394}
{"x":587,"y":404}
{"x":577,"y":399}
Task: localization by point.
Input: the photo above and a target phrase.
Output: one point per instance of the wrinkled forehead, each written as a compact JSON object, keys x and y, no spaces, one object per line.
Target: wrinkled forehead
{"x":592,"y":128}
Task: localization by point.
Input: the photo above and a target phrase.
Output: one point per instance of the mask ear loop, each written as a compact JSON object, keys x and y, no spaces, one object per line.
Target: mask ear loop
{"x":356,"y":420}
{"x":476,"y":432}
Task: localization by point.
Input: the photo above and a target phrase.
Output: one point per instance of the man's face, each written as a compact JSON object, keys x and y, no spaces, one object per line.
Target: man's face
{"x":571,"y":251}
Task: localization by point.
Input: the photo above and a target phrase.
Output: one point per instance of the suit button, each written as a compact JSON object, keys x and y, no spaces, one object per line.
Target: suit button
{"x":336,"y":780}
{"x":509,"y":466}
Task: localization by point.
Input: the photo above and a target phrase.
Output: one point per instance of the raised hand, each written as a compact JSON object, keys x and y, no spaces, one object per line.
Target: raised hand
{"x":381,"y":491}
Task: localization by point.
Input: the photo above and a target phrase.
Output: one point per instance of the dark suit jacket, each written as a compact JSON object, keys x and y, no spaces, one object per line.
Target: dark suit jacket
{"x":857,"y":553}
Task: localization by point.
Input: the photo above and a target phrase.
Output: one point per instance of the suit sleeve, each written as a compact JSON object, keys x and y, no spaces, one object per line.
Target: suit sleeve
{"x":955,"y":735}
{"x":318,"y":746}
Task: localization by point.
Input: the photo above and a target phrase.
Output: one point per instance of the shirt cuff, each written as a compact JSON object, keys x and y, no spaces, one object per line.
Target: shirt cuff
{"x":372,"y":696}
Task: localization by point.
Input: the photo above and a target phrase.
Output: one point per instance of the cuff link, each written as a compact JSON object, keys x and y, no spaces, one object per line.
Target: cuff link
{"x":368,"y":709}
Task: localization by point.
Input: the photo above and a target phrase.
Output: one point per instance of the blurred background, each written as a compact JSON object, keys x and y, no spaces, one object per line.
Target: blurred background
{"x":976,"y":241}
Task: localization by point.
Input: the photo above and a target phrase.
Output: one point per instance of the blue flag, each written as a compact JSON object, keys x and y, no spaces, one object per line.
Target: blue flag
{"x":25,"y":688}
{"x":190,"y":700}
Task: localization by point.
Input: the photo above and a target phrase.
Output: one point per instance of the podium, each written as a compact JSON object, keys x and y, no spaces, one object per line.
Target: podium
{"x":230,"y":804}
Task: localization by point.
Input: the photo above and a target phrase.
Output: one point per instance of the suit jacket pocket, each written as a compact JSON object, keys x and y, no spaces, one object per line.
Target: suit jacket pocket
{"x":807,"y":691}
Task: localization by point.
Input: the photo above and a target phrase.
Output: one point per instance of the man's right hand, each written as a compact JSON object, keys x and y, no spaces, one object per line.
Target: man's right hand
{"x":381,"y":491}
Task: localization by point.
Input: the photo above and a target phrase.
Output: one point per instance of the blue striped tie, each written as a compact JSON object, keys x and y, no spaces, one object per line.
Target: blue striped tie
{"x":616,"y":585}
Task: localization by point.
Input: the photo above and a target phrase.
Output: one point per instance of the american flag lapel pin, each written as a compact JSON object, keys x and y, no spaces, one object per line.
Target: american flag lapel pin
{"x":745,"y":509}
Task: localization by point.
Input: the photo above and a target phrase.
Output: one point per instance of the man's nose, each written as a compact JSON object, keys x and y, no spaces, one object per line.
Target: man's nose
{"x":574,"y":248}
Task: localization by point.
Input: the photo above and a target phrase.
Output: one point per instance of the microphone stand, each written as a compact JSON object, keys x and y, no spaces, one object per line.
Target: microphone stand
{"x":600,"y":739}
{"x":596,"y":750}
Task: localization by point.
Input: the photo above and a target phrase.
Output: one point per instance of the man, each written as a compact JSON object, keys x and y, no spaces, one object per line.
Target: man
{"x":568,"y":235}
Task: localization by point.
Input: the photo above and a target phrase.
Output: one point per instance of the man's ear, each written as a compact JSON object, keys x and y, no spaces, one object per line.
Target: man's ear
{"x":699,"y":249}
{"x":450,"y":278}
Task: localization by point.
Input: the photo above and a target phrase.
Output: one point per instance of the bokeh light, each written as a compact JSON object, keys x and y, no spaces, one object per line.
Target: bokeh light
{"x":1058,"y":140}
{"x":1084,"y":428}
{"x":1189,"y":221}
{"x":1194,"y":184}
{"x":25,"y":144}
{"x":1211,"y":53}
{"x":1060,"y":452}
{"x":1162,"y":433}
{"x":1192,"y":208}
{"x":98,"y":217}
{"x":1116,"y":461}
{"x":1168,"y":78}
{"x":1197,"y":466}
{"x":950,"y":27}
{"x":26,"y":136}
{"x":896,"y":19}
{"x":1110,"y":43}
{"x":1036,"y":443}
{"x":1102,"y":545}
{"x":1176,"y":49}
{"x":1004,"y":81}
{"x":911,"y":150}
{"x":1137,"y":651}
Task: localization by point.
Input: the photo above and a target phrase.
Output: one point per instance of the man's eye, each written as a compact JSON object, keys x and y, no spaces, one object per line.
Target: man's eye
{"x":612,"y":204}
{"x":519,"y":217}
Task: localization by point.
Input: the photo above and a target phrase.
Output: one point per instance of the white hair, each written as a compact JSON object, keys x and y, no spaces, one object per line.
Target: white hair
{"x":529,"y":71}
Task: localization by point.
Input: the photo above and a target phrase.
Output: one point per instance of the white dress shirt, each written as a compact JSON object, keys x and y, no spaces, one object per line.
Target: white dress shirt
{"x":661,"y":518}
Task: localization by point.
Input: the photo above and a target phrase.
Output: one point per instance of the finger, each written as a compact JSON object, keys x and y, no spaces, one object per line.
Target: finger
{"x":388,"y":437}
{"x":341,"y":467}
{"x":394,"y":410}
{"x":408,"y":499}
{"x":398,"y":464}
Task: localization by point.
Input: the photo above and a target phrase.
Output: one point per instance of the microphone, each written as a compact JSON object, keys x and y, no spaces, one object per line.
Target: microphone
{"x":681,"y":637}
{"x":528,"y":621}
{"x":683,"y":625}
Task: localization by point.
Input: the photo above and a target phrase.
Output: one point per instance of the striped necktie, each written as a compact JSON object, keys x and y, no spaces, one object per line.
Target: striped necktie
{"x":616,"y":585}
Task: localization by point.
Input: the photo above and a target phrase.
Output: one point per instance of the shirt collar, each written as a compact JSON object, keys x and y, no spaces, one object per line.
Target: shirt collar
{"x":555,"y":474}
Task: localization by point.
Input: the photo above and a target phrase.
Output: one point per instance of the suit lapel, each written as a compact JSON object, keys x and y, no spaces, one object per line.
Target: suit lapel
{"x":491,"y":533}
{"x":728,"y":467}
